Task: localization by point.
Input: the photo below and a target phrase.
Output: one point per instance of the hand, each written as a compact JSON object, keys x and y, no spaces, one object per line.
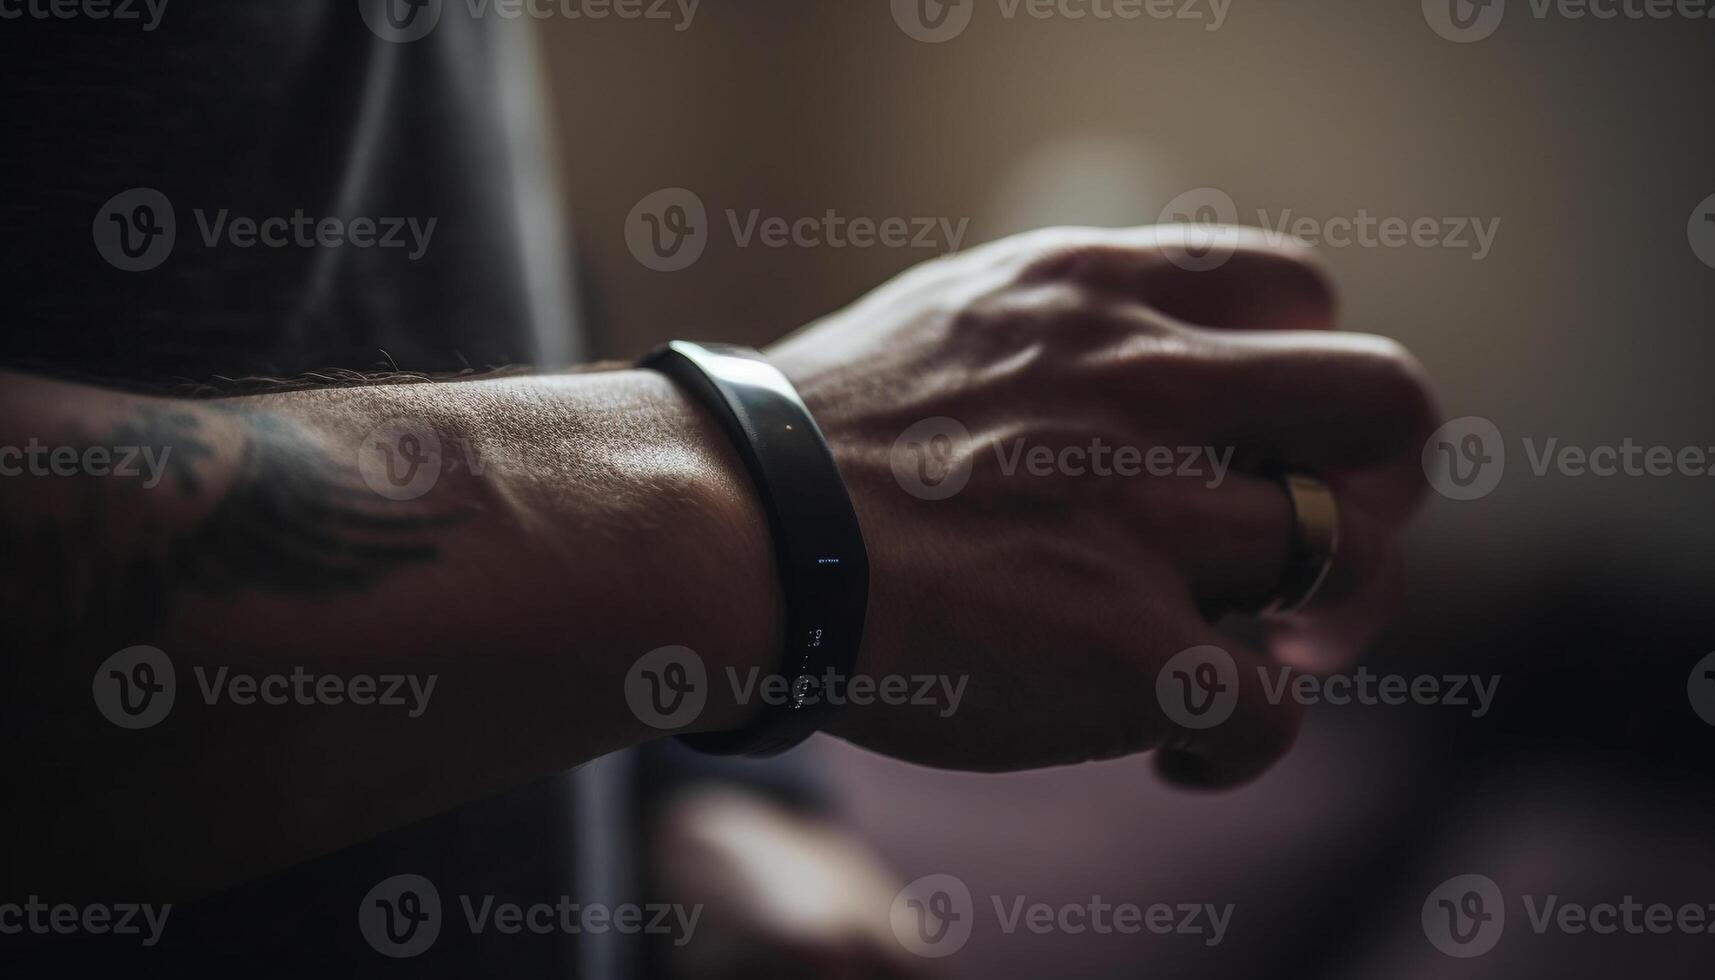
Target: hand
{"x":1060,"y":593}
{"x":749,"y":863}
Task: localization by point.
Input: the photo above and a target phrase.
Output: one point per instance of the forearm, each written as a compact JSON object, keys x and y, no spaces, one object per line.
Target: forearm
{"x":576,"y":523}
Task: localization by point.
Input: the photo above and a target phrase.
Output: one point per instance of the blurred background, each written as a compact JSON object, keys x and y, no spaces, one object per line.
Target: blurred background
{"x":1588,"y":320}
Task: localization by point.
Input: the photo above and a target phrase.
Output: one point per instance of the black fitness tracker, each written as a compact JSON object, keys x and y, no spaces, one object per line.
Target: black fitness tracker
{"x":818,"y":546}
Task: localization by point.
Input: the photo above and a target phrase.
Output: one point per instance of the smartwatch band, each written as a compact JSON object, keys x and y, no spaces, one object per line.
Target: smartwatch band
{"x":818,"y":545}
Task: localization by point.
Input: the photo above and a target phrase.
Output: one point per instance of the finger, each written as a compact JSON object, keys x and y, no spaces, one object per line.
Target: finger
{"x":1361,"y":595}
{"x":1226,"y":726}
{"x":1330,"y":404}
{"x":1257,"y":281}
{"x":1232,"y":543}
{"x":1335,"y":639}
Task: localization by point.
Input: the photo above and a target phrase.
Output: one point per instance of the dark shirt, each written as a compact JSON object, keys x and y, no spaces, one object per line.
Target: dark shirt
{"x":240,"y":111}
{"x":293,"y":110}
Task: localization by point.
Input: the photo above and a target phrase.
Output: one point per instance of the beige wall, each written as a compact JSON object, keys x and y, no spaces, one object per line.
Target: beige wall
{"x":1586,"y":139}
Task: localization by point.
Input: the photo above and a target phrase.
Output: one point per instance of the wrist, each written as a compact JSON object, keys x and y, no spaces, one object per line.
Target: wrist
{"x":714,"y":559}
{"x":617,"y":520}
{"x":818,"y":547}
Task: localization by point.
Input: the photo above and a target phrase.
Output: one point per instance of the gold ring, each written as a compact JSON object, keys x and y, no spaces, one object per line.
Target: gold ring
{"x":1315,"y":539}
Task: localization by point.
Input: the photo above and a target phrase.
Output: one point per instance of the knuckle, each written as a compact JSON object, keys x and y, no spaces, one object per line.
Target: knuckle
{"x":1065,"y":258}
{"x":1085,"y":325}
{"x":1168,"y":367}
{"x":1095,"y":256}
{"x":1058,"y":315}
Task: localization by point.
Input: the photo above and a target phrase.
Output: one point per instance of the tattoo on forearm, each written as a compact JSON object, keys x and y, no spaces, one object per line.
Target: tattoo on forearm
{"x":297,"y":523}
{"x":292,"y":520}
{"x":171,"y":434}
